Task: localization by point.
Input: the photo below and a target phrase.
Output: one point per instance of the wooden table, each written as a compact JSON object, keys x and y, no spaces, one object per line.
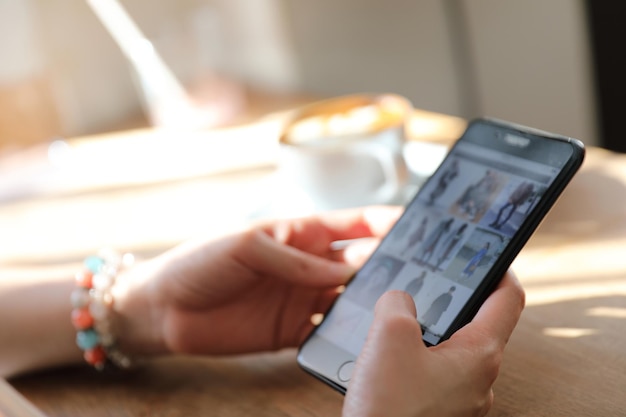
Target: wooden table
{"x":566,"y":358}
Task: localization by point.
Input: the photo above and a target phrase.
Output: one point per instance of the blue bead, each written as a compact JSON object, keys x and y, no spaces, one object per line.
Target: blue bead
{"x":94,"y":264}
{"x":87,"y":339}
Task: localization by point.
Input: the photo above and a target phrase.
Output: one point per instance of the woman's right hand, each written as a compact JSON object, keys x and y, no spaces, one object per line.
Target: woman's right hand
{"x":397,"y":375}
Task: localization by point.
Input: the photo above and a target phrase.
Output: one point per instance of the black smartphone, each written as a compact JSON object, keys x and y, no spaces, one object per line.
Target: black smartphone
{"x":454,"y":241}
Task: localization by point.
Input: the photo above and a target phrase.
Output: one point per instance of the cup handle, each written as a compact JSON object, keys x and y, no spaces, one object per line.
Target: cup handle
{"x":393,"y":170}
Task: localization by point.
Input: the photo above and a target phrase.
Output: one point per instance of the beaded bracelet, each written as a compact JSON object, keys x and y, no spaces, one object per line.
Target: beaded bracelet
{"x":92,"y":314}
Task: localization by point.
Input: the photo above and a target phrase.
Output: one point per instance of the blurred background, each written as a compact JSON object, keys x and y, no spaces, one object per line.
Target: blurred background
{"x":533,"y":62}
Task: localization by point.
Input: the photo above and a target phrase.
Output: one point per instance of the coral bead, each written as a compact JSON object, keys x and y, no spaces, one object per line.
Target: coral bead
{"x":95,"y":356}
{"x":84,"y":279}
{"x":81,"y":318}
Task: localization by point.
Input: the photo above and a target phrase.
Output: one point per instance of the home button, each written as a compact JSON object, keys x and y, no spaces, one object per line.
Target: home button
{"x":345,"y":371}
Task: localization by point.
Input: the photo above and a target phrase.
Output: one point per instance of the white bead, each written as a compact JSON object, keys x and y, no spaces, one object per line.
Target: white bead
{"x":102,"y":326}
{"x":128,"y":260}
{"x":98,"y":311}
{"x":107,"y":339}
{"x":102,"y":281}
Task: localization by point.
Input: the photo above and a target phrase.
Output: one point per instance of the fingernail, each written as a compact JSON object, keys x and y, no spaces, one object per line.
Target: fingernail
{"x":344,"y":270}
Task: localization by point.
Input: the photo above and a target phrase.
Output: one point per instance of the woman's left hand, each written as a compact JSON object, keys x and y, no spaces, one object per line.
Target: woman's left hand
{"x":251,"y":291}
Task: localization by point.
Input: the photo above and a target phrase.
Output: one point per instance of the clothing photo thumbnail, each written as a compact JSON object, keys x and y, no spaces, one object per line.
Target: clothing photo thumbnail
{"x":373,"y":280}
{"x":475,"y":257}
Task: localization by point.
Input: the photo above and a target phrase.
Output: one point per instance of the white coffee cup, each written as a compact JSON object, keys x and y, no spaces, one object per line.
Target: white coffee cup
{"x":345,"y":152}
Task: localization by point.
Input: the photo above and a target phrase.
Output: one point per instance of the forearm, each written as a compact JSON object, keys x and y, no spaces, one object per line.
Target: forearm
{"x":35,"y":327}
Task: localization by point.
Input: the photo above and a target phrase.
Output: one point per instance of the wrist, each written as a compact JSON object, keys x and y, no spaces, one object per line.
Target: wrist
{"x":137,"y":315}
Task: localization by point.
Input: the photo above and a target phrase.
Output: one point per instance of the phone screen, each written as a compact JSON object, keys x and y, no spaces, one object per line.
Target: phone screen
{"x":453,"y":242}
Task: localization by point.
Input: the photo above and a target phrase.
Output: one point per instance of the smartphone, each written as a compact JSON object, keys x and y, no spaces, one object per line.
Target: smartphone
{"x":454,"y":241}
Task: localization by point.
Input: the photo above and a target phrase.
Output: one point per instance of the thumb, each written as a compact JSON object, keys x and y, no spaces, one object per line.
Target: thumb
{"x":395,"y":324}
{"x":395,"y":303}
{"x":389,"y":355}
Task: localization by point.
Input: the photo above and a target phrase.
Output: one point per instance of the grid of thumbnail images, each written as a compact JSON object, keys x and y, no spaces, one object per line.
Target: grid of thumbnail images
{"x":441,"y":251}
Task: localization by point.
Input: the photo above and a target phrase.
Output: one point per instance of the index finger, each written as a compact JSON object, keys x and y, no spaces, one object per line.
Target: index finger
{"x":500,"y":313}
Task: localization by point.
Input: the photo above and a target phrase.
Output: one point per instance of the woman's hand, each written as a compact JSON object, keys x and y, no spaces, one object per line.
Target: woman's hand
{"x":396,"y":375}
{"x":251,"y":291}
